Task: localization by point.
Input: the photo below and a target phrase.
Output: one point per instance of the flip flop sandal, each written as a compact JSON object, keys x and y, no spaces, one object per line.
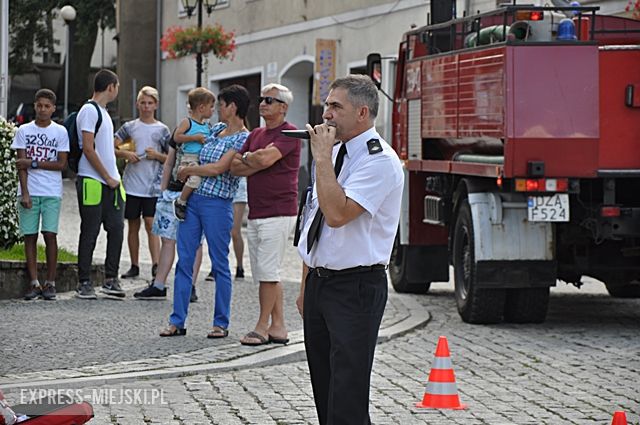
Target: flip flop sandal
{"x":173,"y":332}
{"x":218,"y":333}
{"x":262,"y":340}
{"x":274,"y":340}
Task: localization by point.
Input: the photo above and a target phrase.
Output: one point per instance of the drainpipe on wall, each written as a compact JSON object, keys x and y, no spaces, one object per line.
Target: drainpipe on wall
{"x":158,"y":52}
{"x":4,"y":57}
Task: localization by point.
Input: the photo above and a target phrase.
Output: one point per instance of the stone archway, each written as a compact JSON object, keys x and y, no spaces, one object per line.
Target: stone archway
{"x":298,"y":77}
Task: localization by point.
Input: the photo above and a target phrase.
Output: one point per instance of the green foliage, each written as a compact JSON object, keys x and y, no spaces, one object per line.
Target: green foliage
{"x":28,"y":26}
{"x":91,"y":14}
{"x":16,"y":253}
{"x":9,"y":234}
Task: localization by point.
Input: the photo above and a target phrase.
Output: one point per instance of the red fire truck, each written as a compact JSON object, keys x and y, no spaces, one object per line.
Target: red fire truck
{"x":519,"y":130}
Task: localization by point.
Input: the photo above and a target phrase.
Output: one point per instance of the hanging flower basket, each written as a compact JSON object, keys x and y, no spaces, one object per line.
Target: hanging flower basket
{"x":178,"y":42}
{"x":633,"y":6}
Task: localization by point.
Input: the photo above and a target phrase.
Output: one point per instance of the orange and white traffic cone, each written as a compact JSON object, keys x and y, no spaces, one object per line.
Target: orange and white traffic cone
{"x":441,"y":391}
{"x":619,"y":418}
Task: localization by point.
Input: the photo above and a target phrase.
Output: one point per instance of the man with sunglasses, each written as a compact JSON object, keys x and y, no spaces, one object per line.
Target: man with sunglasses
{"x":271,"y":162}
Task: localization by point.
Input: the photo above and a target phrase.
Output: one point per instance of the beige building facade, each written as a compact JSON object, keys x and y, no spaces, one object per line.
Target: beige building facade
{"x":276,"y":42}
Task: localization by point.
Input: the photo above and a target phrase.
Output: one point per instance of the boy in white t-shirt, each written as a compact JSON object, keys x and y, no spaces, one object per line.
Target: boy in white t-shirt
{"x":101,"y":198}
{"x":142,"y":174}
{"x":42,"y":147}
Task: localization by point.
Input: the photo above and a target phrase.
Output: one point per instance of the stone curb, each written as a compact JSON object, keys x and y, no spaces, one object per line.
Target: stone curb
{"x":417,"y":317}
{"x":14,"y":281}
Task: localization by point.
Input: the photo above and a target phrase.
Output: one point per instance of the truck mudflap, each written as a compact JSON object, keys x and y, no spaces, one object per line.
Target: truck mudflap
{"x":515,"y":274}
{"x":502,"y":231}
{"x":510,"y":251}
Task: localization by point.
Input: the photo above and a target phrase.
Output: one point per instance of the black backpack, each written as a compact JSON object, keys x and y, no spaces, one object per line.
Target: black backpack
{"x":75,"y":148}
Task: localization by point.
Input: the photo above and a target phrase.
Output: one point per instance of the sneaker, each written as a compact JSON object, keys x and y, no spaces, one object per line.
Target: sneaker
{"x":34,"y":292}
{"x":194,"y":296}
{"x":49,"y":292}
{"x":112,"y":287}
{"x":179,"y":210}
{"x":85,"y":291}
{"x":209,"y":277}
{"x":151,"y":293}
{"x":134,"y":271}
{"x":154,"y":270}
{"x":239,"y":273}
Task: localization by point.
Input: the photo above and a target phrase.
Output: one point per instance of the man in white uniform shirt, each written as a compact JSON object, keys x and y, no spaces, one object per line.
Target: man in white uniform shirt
{"x":349,"y":225}
{"x":100,"y":195}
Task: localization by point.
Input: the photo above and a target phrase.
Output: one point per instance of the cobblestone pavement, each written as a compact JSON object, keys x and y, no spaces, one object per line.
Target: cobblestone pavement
{"x":107,"y":331}
{"x":85,"y":337}
{"x":578,"y":367}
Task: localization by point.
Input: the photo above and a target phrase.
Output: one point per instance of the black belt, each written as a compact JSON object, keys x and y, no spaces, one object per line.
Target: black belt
{"x":323,"y":272}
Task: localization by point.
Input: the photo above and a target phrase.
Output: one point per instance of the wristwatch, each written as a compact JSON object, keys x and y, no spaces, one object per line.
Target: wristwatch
{"x":34,"y":164}
{"x":244,"y":157}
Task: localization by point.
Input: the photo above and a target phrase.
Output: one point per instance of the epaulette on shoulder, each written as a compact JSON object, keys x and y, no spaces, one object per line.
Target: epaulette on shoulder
{"x":374,"y":146}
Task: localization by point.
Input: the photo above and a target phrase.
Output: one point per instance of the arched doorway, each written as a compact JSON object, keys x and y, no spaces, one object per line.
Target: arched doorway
{"x":298,"y":77}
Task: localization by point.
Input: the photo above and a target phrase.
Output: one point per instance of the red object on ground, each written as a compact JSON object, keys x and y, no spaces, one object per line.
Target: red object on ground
{"x":619,"y":418}
{"x":55,"y":414}
{"x":441,"y":391}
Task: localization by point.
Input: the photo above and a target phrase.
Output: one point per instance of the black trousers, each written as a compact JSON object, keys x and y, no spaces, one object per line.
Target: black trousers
{"x":110,"y":213}
{"x":342,"y":315}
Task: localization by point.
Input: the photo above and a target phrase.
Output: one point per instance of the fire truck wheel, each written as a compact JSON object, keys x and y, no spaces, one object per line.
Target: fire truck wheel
{"x":526,"y":305}
{"x":623,"y":290}
{"x":475,"y":305}
{"x":399,"y":271}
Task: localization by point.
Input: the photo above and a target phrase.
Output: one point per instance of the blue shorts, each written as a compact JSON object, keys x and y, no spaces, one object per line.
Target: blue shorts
{"x":46,"y":206}
{"x":165,"y":223}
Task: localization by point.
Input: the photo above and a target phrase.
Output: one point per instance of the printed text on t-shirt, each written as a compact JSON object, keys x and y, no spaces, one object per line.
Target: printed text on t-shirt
{"x":40,"y":148}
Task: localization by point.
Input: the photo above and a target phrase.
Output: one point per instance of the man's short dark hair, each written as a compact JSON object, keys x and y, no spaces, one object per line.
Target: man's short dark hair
{"x":103,"y":79}
{"x":361,"y":91}
{"x":46,"y":94}
{"x":238,"y":95}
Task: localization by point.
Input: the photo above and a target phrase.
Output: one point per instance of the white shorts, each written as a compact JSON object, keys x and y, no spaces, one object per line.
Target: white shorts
{"x":241,"y":193}
{"x":268,"y":238}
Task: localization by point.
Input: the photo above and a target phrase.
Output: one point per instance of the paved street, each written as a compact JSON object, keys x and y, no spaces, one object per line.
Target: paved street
{"x":578,"y":367}
{"x":106,"y":331}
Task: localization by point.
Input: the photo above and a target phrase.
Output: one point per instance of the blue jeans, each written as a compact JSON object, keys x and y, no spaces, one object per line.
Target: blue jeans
{"x":214,"y":216}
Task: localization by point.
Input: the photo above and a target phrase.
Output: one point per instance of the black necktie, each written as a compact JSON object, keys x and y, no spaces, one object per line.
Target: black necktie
{"x":316,"y":224}
{"x":303,"y":201}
